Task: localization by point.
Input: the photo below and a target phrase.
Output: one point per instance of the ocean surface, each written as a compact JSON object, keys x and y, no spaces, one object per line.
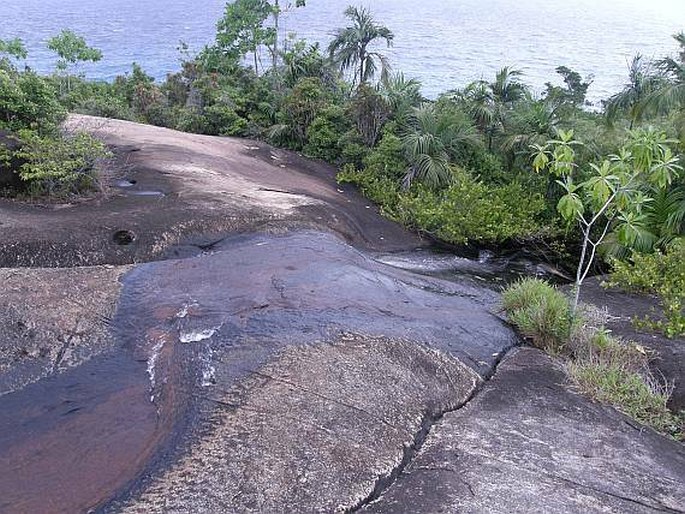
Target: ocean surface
{"x":444,"y":43}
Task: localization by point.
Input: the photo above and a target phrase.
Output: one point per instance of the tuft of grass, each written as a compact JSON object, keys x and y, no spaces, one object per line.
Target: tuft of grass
{"x":601,"y":366}
{"x":541,"y":313}
{"x":636,"y":394}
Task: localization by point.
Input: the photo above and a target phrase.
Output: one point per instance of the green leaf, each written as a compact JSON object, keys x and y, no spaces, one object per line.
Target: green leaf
{"x":540,"y":161}
{"x":570,"y":206}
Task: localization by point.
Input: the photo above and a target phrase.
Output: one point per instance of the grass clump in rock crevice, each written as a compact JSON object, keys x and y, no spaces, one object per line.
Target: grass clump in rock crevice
{"x":616,"y":372}
{"x":642,"y":398}
{"x":605,"y":368}
{"x":541,"y":313}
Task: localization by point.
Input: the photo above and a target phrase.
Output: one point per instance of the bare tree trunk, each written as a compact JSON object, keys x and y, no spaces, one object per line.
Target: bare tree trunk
{"x":579,"y":271}
{"x":362,"y":60}
{"x":277,"y":14}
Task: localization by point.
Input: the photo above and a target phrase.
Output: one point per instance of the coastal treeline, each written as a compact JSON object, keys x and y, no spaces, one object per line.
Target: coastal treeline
{"x":490,"y":164}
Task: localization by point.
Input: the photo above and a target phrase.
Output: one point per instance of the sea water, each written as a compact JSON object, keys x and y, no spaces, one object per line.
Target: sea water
{"x":443,"y":43}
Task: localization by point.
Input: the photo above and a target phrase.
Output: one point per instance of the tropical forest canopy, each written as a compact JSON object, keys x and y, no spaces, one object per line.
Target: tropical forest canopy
{"x":488,"y":164}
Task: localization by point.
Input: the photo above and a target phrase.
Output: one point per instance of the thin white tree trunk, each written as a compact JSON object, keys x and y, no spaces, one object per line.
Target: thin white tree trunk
{"x":277,"y":15}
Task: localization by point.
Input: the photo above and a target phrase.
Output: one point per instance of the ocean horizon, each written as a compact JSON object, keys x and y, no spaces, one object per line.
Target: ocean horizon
{"x":446,"y":45}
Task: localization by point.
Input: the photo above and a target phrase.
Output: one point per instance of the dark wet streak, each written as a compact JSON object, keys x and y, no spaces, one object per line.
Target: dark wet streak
{"x":57,"y":434}
{"x":69,"y":442}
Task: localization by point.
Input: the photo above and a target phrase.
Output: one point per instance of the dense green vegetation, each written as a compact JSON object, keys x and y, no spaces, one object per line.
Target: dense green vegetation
{"x":662,"y":274}
{"x":489,"y":164}
{"x":607,"y":369}
{"x":35,"y":156}
{"x":615,"y":196}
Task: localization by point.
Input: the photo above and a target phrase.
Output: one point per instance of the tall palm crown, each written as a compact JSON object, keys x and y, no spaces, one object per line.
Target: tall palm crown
{"x":490,"y":103}
{"x":672,"y":94}
{"x":349,"y":47}
{"x":642,"y":82}
{"x":432,"y":142}
{"x":507,"y":87}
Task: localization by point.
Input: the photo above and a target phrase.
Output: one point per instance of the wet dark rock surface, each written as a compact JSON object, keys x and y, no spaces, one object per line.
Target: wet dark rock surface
{"x":272,"y":345}
{"x":306,"y":287}
{"x":54,"y":319}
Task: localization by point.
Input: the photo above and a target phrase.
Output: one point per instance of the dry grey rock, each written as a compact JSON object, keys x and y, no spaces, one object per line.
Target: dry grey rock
{"x":313,"y":430}
{"x":52,"y":320}
{"x":172,"y":193}
{"x":527,"y":443}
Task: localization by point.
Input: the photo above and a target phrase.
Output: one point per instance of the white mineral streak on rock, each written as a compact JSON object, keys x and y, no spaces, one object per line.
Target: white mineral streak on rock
{"x":185,"y":310}
{"x":208,"y":369}
{"x":195,"y":336}
{"x":152,"y":364}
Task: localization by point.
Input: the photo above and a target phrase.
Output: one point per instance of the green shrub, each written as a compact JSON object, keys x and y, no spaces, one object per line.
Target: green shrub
{"x":300,"y":107}
{"x":60,"y":166}
{"x":470,"y":211}
{"x":662,"y":274}
{"x":188,"y":120}
{"x":161,"y":115}
{"x":324,"y":135}
{"x":28,"y":101}
{"x":222,"y":120}
{"x":387,"y":158}
{"x":382,"y":190}
{"x":106,"y":107}
{"x":353,"y":151}
{"x":541,"y":313}
{"x":487,"y":166}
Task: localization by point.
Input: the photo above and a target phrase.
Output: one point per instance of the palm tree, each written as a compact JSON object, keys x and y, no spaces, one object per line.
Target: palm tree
{"x":480,"y":104}
{"x":642,"y":82}
{"x":661,"y":221}
{"x":666,"y":215}
{"x":531,"y":123}
{"x":671,"y":94}
{"x":306,"y":60}
{"x":349,"y":48}
{"x":490,"y":102}
{"x":507,"y":88}
{"x":432,"y":141}
{"x":401,"y":95}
